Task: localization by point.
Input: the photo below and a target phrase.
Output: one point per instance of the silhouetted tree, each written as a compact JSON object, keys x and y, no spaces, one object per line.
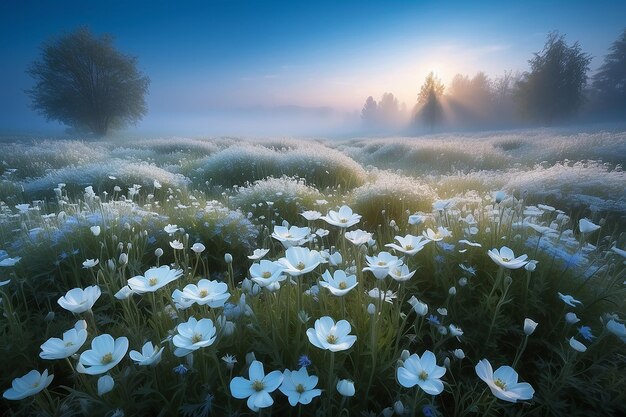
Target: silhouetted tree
{"x":554,"y":86}
{"x":610,"y":80}
{"x":83,"y":82}
{"x":429,"y":108}
{"x":369,"y":114}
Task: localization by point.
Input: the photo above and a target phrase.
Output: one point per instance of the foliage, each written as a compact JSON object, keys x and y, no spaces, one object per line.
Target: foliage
{"x":83,"y":82}
{"x":610,"y":80}
{"x":553,"y":89}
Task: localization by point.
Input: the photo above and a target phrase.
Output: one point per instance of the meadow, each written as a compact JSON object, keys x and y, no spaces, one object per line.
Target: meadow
{"x":447,"y":275}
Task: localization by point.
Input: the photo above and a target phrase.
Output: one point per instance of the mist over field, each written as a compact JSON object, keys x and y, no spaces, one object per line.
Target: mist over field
{"x":239,"y":208}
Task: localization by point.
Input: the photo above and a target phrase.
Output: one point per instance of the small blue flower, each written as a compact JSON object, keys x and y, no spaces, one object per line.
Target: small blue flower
{"x":304,"y":361}
{"x":432,"y":319}
{"x":585,"y":331}
{"x":429,"y":411}
{"x":180,"y":369}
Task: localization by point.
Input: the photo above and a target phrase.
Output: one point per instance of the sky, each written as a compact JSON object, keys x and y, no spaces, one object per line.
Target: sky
{"x":221,"y":67}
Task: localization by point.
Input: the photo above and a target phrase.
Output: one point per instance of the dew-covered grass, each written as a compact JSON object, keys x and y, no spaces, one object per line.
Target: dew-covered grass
{"x":439,"y":254}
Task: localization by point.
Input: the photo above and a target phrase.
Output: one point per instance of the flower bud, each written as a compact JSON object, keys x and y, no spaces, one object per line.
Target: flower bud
{"x":398,"y":407}
{"x":452,"y":291}
{"x":529,"y":326}
{"x":462,"y":282}
{"x":446,"y":362}
{"x":371,"y":309}
{"x":123,"y":260}
{"x":95,"y":230}
{"x":346,"y":388}
{"x":459,"y":354}
{"x":228,"y":258}
{"x":105,"y":384}
{"x":387,"y":412}
{"x":158,"y":252}
{"x":571,"y":318}
{"x":250,"y":357}
{"x":198,"y":248}
{"x":405,"y":355}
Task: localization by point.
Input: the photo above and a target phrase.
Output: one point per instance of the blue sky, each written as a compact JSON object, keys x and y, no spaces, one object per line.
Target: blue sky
{"x":216,"y":57}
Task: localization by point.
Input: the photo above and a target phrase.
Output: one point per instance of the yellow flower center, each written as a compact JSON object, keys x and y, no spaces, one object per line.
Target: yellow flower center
{"x":68,"y":344}
{"x":506,"y":260}
{"x":343,"y":220}
{"x":266,"y":274}
{"x":500,"y":384}
{"x":258,"y":385}
{"x":153,"y":281}
{"x":107,"y":359}
{"x":423,"y":376}
{"x":408,"y":247}
{"x":300,"y":266}
{"x":343,"y":285}
{"x":196,"y":338}
{"x":35,"y":384}
{"x":288,"y":236}
{"x":331,"y":338}
{"x":381,"y":263}
{"x":300,"y":389}
{"x":204,"y":293}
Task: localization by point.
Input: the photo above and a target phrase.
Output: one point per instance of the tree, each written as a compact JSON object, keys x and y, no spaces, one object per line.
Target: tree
{"x":369,"y":114}
{"x":83,"y":82}
{"x":429,"y":108}
{"x":610,"y":80}
{"x":553,"y":89}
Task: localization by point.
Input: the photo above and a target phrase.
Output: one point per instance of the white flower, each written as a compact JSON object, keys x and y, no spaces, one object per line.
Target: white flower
{"x":322,"y":232}
{"x":335,"y":259}
{"x":401,"y":273}
{"x":193,"y":335}
{"x":585,"y":226}
{"x":358,"y":237}
{"x":459,"y":354}
{"x":420,"y":308}
{"x":311,"y":215}
{"x":422,"y":371}
{"x":330,"y":336}
{"x":78,"y":300}
{"x":198,"y":247}
{"x":23,"y":208}
{"x":380,"y":264}
{"x":339,"y":284}
{"x":256,"y":389}
{"x":149,"y":355}
{"x":437,"y":236}
{"x":409,"y":244}
{"x":343,"y":218}
{"x":576,"y":345}
{"x":506,"y":258}
{"x":105,"y":384}
{"x":73,"y":340}
{"x":211,"y":293}
{"x":27,"y":385}
{"x":105,"y":353}
{"x":180,"y":302}
{"x":153,"y":279}
{"x":292,"y":236}
{"x":266,"y":272}
{"x":90,"y":263}
{"x":177,"y":245}
{"x":416,"y":219}
{"x":299,"y":387}
{"x":468,"y":243}
{"x":387,"y":296}
{"x":10,"y":261}
{"x":503,"y":382}
{"x":345,"y":387}
{"x":442,"y":205}
{"x":156,"y":184}
{"x":258,"y":254}
{"x":299,"y":261}
{"x":95,"y":230}
{"x":569,"y":300}
{"x":455,"y":331}
{"x":529,"y":326}
{"x":531,"y":265}
{"x":618,"y":329}
{"x":170,"y":229}
{"x":571,"y":318}
{"x":124,"y":293}
{"x":3,"y":283}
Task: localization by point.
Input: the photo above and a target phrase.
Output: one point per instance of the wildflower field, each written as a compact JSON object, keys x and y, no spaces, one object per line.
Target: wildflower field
{"x":450,"y":275}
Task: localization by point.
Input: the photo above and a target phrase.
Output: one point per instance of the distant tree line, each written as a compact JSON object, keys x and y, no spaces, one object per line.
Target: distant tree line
{"x":556,"y":87}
